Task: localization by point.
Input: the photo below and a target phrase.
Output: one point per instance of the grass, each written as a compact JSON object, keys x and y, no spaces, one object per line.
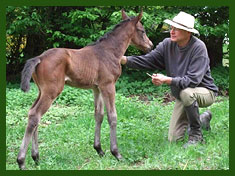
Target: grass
{"x":66,"y":134}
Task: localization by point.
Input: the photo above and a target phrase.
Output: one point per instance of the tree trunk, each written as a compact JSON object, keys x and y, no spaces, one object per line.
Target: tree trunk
{"x":215,"y":49}
{"x":35,"y":45}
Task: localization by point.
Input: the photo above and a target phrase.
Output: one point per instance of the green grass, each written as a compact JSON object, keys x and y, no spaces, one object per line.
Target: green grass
{"x":66,"y":134}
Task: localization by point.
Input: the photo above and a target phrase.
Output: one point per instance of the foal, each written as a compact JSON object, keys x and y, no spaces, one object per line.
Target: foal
{"x":96,"y":66}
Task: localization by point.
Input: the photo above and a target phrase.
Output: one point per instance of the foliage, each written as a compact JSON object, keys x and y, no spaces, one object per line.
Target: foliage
{"x":137,"y":82}
{"x":133,"y":82}
{"x":221,"y":78}
{"x":66,"y":134}
{"x":31,"y":30}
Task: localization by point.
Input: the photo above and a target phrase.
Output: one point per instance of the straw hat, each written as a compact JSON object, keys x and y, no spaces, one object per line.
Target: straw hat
{"x":183,"y":21}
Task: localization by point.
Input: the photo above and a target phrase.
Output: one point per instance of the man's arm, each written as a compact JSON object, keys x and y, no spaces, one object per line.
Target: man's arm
{"x":151,"y":61}
{"x":159,"y":79}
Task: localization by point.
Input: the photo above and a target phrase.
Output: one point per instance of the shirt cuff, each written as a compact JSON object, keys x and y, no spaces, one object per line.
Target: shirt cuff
{"x":128,"y":62}
{"x":175,"y":82}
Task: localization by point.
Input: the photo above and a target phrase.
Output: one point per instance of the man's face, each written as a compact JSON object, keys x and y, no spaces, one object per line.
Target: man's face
{"x":179,"y":35}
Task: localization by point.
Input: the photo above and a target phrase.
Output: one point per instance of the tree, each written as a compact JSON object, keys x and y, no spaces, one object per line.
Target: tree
{"x":214,"y":28}
{"x":212,"y":23}
{"x":31,"y":30}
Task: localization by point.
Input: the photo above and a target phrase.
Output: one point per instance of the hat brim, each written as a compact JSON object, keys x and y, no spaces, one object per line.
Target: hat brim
{"x":176,"y":25}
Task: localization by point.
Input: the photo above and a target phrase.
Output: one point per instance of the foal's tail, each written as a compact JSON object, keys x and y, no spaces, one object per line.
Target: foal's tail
{"x":27,"y":72}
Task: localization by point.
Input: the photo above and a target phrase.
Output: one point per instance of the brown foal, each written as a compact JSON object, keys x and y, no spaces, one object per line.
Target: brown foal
{"x":96,"y":66}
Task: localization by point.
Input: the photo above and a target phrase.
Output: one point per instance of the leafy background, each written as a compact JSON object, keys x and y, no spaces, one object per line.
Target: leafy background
{"x":31,"y":30}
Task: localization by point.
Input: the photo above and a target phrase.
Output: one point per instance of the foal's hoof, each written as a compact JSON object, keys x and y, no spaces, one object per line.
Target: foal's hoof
{"x":36,"y":159}
{"x":21,"y":164}
{"x":101,"y":153}
{"x":22,"y":167}
{"x":117,"y":155}
{"x":99,"y":150}
{"x":37,"y":162}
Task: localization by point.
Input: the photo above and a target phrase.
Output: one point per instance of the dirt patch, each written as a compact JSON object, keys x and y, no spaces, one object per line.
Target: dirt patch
{"x":168,"y":98}
{"x":145,"y":98}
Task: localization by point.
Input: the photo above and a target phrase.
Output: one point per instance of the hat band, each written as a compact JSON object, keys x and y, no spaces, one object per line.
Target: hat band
{"x":182,"y":25}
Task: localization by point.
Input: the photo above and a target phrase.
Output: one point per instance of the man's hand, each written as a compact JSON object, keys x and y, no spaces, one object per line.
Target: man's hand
{"x":159,"y":79}
{"x":123,"y":60}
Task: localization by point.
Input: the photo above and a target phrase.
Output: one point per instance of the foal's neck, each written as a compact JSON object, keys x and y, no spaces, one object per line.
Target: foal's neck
{"x":119,"y":42}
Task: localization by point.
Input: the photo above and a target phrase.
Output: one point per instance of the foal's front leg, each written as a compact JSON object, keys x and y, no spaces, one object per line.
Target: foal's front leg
{"x":108,"y":94}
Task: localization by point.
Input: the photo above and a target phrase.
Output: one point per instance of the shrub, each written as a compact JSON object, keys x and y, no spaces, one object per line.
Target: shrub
{"x":221,"y":78}
{"x":137,"y":82}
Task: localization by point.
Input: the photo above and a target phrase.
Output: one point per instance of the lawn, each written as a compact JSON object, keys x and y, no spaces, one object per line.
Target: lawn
{"x":66,"y":134}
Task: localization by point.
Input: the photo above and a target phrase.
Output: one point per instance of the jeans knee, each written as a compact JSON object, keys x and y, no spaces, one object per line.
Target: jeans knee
{"x":187,"y":97}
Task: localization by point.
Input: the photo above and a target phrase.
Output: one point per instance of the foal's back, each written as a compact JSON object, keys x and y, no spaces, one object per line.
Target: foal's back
{"x":82,"y":68}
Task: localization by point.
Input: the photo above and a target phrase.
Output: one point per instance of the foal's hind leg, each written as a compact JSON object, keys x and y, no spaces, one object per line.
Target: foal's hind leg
{"x":34,"y":116}
{"x":99,"y":114}
{"x":34,"y":151}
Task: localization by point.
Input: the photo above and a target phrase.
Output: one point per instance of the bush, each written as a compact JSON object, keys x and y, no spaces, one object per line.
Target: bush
{"x":221,"y":78}
{"x":133,"y":82}
{"x":137,"y":82}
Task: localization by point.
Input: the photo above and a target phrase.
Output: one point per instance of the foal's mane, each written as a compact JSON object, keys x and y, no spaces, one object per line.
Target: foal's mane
{"x":108,"y":34}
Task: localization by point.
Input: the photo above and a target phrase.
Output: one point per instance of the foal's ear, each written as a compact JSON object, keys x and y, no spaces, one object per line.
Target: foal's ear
{"x":138,"y":18}
{"x":124,"y":15}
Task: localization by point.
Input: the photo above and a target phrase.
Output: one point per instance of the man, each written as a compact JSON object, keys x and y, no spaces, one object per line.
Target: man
{"x":186,"y":61}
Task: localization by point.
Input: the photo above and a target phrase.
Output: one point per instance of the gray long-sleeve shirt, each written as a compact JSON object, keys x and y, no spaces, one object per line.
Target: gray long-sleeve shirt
{"x":188,"y":66}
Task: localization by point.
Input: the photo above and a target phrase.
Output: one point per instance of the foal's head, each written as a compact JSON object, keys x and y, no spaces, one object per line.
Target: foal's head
{"x":139,"y":38}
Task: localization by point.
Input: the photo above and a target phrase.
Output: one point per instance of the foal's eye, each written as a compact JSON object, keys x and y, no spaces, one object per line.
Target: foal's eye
{"x":141,"y":31}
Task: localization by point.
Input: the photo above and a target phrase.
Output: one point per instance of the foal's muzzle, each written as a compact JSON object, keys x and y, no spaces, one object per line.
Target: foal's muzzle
{"x":150,"y":47}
